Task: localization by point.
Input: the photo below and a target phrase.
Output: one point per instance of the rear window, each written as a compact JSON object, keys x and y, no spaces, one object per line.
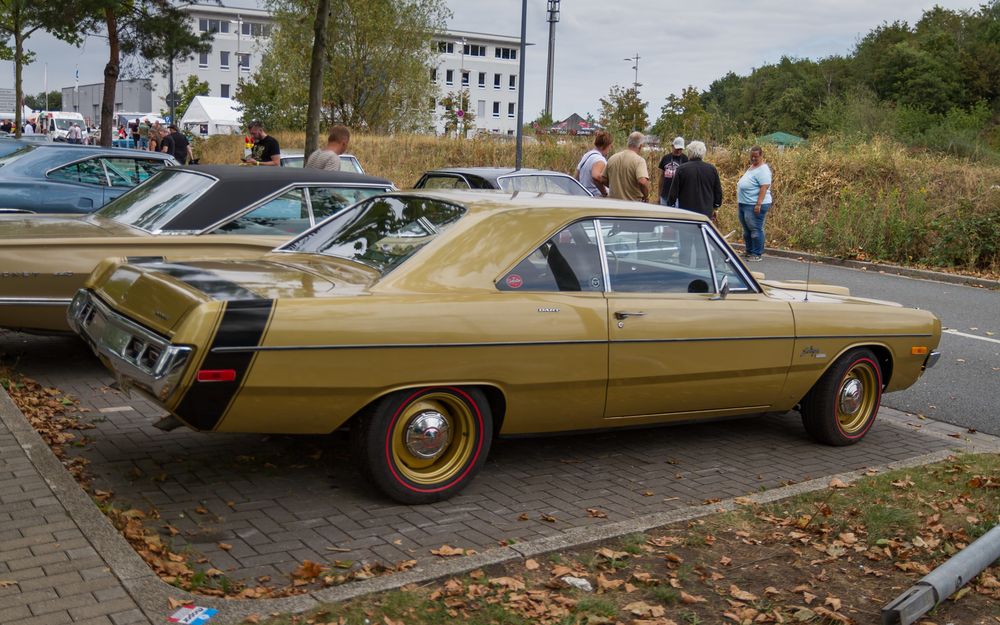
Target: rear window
{"x":542,"y":184}
{"x":152,"y":205}
{"x":16,"y":154}
{"x":381,"y":232}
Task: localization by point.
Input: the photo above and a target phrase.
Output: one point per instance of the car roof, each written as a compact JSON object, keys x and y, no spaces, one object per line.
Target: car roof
{"x":493,"y":172}
{"x":238,"y":187}
{"x":82,"y":151}
{"x":503,"y":201}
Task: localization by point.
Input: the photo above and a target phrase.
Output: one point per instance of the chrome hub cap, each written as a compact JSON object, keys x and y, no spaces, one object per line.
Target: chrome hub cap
{"x":428,"y":435}
{"x":851,"y":395}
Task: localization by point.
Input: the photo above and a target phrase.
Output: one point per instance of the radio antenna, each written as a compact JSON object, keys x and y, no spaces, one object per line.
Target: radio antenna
{"x":809,"y":265}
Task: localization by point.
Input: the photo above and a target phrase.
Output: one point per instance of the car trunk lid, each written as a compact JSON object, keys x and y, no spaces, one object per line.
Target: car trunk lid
{"x":61,"y":226}
{"x":161,"y":294}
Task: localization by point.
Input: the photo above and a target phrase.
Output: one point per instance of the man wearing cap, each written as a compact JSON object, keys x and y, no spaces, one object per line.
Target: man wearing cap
{"x":668,"y":165}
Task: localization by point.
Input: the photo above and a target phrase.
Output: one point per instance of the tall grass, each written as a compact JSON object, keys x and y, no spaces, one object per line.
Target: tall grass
{"x":870,"y":200}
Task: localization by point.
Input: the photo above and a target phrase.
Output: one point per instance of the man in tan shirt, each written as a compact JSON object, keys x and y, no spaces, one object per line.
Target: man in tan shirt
{"x":627,"y":174}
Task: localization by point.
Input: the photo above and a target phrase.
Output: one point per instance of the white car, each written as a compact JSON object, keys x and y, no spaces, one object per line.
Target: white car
{"x":296,"y":158}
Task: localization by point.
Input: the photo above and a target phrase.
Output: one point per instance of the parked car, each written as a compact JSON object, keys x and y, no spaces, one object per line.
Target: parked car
{"x":63,"y":178}
{"x":431,"y":321}
{"x":181,"y":213}
{"x":297,"y":158}
{"x":538,"y":180}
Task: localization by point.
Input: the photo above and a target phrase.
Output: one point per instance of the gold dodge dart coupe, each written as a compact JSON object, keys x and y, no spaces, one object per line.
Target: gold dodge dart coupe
{"x":430,"y":322}
{"x":180,"y":213}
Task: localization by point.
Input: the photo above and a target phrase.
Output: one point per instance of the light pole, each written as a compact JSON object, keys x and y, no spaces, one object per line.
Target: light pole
{"x":462,"y":85}
{"x":553,"y":10}
{"x":635,"y":84}
{"x":518,"y":153}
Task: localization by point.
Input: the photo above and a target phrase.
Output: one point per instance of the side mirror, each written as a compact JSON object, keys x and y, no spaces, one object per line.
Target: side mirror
{"x":723,"y":288}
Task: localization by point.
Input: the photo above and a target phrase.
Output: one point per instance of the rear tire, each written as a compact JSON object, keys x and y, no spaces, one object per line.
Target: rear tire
{"x":842,"y":406}
{"x":424,"y":445}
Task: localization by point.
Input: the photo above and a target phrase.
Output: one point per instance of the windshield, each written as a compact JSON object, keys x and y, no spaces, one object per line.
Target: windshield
{"x":16,"y":154}
{"x":64,"y":124}
{"x":381,"y":232}
{"x":156,"y":202}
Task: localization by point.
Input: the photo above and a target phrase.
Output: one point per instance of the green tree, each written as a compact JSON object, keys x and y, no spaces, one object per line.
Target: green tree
{"x":682,"y":115}
{"x":317,"y":69}
{"x":188,"y":90}
{"x":454,"y":102}
{"x":623,"y":110}
{"x":154,"y":30}
{"x":41,"y":103}
{"x":19,"y":19}
{"x":379,"y":57}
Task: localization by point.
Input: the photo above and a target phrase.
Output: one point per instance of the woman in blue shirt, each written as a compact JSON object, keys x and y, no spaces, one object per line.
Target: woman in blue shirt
{"x":754,"y":197}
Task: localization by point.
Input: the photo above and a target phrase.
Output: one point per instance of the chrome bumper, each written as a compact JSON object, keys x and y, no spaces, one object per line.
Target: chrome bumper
{"x":137,"y":356}
{"x":932,"y":359}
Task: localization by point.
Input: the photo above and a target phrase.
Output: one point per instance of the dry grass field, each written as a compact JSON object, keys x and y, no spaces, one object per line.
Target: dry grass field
{"x":873,"y":201}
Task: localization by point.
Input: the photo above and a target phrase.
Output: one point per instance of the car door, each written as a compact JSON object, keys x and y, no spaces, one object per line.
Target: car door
{"x":551,"y":308}
{"x":677,"y":349}
{"x":79,"y":187}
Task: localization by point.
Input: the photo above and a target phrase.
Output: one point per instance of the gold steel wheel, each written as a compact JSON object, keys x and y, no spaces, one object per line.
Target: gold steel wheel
{"x":857,"y":399}
{"x":432,"y":439}
{"x":424,"y":445}
{"x":841,"y":407}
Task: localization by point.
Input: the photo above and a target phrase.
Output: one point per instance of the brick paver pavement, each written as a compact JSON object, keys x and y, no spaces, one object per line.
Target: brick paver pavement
{"x":279,"y":500}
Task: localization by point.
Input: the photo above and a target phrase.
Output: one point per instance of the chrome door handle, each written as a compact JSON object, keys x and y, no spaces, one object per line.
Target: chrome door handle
{"x":624,"y":314}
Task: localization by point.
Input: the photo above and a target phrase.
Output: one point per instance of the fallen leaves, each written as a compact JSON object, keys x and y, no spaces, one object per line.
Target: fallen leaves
{"x":447,"y":551}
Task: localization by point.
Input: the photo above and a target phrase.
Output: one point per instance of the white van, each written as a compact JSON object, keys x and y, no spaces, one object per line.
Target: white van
{"x":57,"y":123}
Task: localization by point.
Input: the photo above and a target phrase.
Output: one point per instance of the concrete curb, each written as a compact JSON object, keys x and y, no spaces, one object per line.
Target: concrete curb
{"x":153,"y":595}
{"x":909,"y":272}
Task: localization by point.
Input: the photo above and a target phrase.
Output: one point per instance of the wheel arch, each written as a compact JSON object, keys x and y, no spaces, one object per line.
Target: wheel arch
{"x":494,"y":396}
{"x":882,"y":352}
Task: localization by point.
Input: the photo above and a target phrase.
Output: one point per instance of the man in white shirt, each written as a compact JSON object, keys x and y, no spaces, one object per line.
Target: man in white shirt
{"x":329,"y":157}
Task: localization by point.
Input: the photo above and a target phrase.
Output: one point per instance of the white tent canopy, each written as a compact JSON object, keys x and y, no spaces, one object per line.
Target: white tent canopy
{"x":207,"y":115}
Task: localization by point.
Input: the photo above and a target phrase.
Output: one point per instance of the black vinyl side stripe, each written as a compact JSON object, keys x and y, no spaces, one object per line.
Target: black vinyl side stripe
{"x":243,"y":323}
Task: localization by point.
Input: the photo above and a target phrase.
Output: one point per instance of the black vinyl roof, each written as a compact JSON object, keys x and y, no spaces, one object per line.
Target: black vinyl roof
{"x":239,"y":187}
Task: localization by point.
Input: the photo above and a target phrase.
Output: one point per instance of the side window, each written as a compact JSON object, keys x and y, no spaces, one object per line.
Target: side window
{"x":90,"y":171}
{"x":286,"y":214}
{"x":569,"y":261}
{"x":649,"y":256}
{"x":329,"y":200}
{"x":128,"y":172}
{"x":523,"y":183}
{"x":725,"y":265}
{"x":444,"y":182}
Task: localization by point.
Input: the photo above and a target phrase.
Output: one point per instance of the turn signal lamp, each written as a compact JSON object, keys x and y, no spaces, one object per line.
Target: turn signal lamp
{"x":217,"y":375}
{"x":918,"y":350}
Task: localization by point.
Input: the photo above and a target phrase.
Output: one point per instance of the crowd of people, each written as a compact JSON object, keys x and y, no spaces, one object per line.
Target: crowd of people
{"x":686,"y":181}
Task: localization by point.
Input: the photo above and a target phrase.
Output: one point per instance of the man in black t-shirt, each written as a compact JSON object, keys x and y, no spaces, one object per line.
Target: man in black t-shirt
{"x":265,"y":149}
{"x":180,"y":147}
{"x":668,"y":165}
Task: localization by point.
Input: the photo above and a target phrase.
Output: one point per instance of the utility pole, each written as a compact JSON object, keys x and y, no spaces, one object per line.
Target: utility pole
{"x":519,"y":153}
{"x":635,"y":85}
{"x":553,"y":18}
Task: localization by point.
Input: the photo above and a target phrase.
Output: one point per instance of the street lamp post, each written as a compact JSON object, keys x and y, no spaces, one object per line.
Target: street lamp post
{"x":462,"y":86}
{"x":635,"y":85}
{"x":553,"y":9}
{"x":520,"y":86}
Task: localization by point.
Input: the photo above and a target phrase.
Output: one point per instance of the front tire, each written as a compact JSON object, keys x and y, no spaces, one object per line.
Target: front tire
{"x":842,"y":406}
{"x":424,"y":445}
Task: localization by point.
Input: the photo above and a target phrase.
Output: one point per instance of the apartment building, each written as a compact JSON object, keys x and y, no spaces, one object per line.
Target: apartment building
{"x":239,"y":38}
{"x":487,"y":65}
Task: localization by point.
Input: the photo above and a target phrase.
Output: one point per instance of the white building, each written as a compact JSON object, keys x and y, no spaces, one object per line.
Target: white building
{"x":486,"y":65}
{"x":240,"y":36}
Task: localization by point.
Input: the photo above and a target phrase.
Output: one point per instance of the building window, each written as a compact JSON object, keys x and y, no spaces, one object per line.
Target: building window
{"x":474,"y":50}
{"x":482,"y":79}
{"x":434,"y":74}
{"x":465,"y":78}
{"x":496,"y":81}
{"x":213,"y":26}
{"x":512,"y":83}
{"x":255,"y":29}
{"x":223,"y":91}
{"x":449,"y":77}
{"x":203,"y":60}
{"x":496,"y":109}
{"x":510,"y":110}
{"x":506,"y":53}
{"x":244,"y":62}
{"x":223,"y":59}
{"x":445,"y":47}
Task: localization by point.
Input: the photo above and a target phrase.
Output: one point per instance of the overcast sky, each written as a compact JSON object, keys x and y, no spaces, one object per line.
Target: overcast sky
{"x":679,"y":43}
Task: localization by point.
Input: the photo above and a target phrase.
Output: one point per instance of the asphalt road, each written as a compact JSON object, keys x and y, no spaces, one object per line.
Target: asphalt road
{"x":964,"y":387}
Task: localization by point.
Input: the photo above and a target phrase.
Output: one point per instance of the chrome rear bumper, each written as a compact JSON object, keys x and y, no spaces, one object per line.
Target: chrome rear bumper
{"x":137,"y":357}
